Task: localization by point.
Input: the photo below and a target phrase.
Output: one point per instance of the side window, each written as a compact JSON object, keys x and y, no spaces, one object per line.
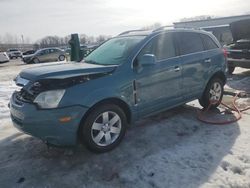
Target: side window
{"x":51,"y":51}
{"x":161,"y":46}
{"x":209,"y":43}
{"x":42,"y":52}
{"x":189,"y":42}
{"x":45,"y":52}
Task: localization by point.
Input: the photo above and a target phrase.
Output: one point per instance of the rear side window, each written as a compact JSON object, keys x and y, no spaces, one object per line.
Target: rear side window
{"x":161,"y":46}
{"x":189,"y":43}
{"x":52,"y":50}
{"x":208,"y":42}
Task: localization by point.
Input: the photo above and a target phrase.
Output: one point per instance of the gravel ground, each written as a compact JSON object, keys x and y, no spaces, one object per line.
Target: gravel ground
{"x":171,"y":149}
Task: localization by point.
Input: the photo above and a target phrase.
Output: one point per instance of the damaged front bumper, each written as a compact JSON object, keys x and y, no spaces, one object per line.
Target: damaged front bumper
{"x":46,"y":124}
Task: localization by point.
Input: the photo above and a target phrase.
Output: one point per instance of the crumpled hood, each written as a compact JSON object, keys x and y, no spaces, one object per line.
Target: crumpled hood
{"x":240,"y":29}
{"x":64,"y":70}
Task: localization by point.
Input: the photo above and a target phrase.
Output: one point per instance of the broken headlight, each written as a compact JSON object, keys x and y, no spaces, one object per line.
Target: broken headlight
{"x":49,"y":99}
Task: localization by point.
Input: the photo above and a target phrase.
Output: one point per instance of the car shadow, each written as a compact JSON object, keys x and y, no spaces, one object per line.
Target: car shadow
{"x":171,"y":149}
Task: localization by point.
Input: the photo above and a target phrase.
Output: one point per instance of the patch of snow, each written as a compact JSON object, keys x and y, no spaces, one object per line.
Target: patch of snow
{"x":171,"y":149}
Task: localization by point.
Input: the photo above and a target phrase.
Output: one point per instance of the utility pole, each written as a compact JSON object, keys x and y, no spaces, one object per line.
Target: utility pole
{"x":22,"y":41}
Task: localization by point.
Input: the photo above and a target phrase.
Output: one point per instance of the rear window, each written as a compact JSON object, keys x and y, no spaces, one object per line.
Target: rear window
{"x":208,"y":42}
{"x":189,"y":43}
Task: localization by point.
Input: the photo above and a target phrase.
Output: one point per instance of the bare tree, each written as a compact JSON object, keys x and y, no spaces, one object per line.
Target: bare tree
{"x":102,"y":38}
{"x":66,"y":39}
{"x":153,"y":26}
{"x":27,"y":40}
{"x":83,"y":38}
{"x":197,"y":18}
{"x":8,"y":38}
{"x":90,"y":40}
{"x":55,"y":41}
{"x":51,"y":41}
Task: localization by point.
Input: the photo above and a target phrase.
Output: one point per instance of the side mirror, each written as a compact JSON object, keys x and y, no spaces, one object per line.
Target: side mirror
{"x":147,"y":60}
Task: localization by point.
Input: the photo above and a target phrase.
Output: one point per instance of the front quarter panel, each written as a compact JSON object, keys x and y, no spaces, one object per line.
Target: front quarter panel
{"x":93,"y":91}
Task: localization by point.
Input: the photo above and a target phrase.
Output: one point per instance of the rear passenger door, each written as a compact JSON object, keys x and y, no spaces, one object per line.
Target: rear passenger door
{"x":213,"y":55}
{"x":158,"y":86}
{"x":194,"y":66}
{"x":45,"y":55}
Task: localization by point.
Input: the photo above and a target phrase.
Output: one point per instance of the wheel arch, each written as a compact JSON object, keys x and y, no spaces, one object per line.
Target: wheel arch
{"x":119,"y":102}
{"x":219,"y":74}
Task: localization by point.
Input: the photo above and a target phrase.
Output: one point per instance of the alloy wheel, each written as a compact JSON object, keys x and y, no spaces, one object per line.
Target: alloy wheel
{"x":106,"y":128}
{"x":215,"y":92}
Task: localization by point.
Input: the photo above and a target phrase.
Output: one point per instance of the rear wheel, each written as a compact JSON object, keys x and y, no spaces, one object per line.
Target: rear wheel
{"x":104,"y":128}
{"x":231,"y":70}
{"x":213,"y":94}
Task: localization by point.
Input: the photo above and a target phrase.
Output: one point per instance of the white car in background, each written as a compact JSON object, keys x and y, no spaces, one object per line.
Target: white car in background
{"x":4,"y":57}
{"x":14,"y":53}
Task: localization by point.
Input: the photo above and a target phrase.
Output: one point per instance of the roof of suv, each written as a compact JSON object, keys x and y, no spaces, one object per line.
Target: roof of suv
{"x":161,"y":30}
{"x":165,"y":29}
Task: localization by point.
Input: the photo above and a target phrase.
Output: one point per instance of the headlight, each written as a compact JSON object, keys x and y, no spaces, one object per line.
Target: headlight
{"x":49,"y":99}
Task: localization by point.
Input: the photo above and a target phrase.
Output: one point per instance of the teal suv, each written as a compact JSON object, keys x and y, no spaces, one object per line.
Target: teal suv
{"x":131,"y":76}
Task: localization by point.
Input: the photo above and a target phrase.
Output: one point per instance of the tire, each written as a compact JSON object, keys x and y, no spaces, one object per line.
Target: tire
{"x":61,"y":58}
{"x":35,"y":60}
{"x":231,"y":70}
{"x":99,"y":133}
{"x":213,"y":92}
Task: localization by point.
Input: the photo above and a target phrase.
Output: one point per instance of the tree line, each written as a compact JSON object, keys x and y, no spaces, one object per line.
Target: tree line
{"x":51,"y":41}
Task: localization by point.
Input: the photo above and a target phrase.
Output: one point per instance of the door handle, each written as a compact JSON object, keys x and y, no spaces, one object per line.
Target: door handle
{"x":207,"y":61}
{"x":177,"y":68}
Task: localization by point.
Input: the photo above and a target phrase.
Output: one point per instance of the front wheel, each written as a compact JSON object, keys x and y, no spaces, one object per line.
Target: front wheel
{"x":104,"y":128}
{"x":213,"y":94}
{"x":35,"y":60}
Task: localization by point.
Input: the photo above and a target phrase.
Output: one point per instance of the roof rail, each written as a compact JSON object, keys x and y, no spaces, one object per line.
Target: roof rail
{"x":130,"y":31}
{"x":189,"y":27}
{"x":163,"y":27}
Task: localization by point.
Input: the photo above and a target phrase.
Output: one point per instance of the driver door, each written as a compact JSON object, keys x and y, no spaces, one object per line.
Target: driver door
{"x":158,"y":86}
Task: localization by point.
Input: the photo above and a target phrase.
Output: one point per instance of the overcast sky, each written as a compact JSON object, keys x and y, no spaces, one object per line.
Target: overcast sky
{"x":38,"y":18}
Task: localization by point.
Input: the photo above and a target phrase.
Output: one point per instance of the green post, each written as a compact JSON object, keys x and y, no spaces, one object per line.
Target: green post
{"x":75,"y":48}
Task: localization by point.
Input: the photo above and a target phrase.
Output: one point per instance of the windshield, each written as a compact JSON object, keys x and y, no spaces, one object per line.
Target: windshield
{"x":113,"y":52}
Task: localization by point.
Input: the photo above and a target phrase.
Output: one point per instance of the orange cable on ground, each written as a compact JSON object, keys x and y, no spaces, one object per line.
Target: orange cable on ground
{"x":201,"y":115}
